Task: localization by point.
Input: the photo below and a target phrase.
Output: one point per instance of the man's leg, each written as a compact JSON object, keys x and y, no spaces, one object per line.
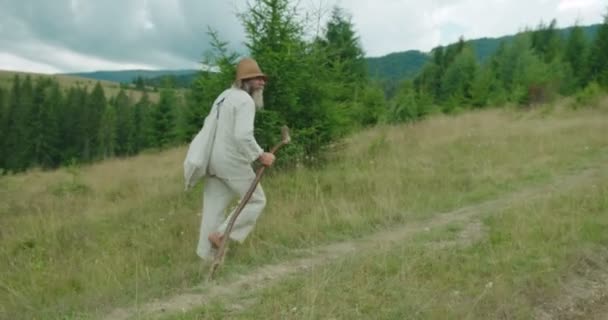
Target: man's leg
{"x":216,"y":197}
{"x":246,"y":220}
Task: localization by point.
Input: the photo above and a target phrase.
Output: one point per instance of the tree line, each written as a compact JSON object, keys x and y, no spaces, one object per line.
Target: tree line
{"x":318,"y":85}
{"x":535,"y":67}
{"x":43,"y":125}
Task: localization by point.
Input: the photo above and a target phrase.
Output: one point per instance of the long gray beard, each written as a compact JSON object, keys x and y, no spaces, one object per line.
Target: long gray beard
{"x":258,"y":99}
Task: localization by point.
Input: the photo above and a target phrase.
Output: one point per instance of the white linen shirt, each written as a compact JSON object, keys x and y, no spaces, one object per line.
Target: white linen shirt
{"x":235,"y":147}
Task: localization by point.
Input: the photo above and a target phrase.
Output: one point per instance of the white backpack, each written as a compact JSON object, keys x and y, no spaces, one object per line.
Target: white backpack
{"x":199,"y":151}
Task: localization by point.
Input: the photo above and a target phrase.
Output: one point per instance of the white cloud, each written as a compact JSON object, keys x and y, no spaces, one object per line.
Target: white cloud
{"x":142,"y":18}
{"x":394,"y":25}
{"x":73,"y":60}
{"x":575,"y":4}
{"x":11,"y":62}
{"x":386,"y":26}
{"x":56,"y":59}
{"x":75,"y":6}
{"x":76,"y":35}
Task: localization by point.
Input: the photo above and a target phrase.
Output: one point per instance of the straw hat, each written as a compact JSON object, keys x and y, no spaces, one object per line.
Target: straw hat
{"x":248,"y":68}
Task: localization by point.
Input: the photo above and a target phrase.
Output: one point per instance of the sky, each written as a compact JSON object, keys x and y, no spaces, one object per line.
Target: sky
{"x":89,"y":35}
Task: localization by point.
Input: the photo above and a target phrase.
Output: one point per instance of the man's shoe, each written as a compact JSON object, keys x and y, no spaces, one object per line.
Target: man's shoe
{"x":216,"y":239}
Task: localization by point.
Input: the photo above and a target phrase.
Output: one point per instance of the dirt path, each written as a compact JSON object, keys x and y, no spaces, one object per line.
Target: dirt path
{"x":583,"y":298}
{"x":266,"y":276}
{"x":584,"y":294}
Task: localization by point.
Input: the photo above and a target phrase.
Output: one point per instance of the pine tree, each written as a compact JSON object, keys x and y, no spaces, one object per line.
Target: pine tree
{"x":546,"y":41}
{"x":48,"y":146}
{"x":275,"y":39}
{"x":124,"y":125}
{"x":344,"y":52}
{"x":531,"y":78}
{"x":404,"y":106}
{"x":11,"y":119}
{"x":72,"y":135}
{"x":495,"y":64}
{"x":575,"y":55}
{"x":41,"y":127}
{"x":19,"y":151}
{"x":163,"y":119}
{"x":94,"y":110}
{"x":438,"y":56}
{"x":457,"y":80}
{"x":451,"y":52}
{"x":371,"y":107}
{"x":345,"y":59}
{"x":598,"y":60}
{"x":107,"y":132}
{"x":297,"y":91}
{"x":36,"y":124}
{"x":506,"y":61}
{"x":482,"y":86}
{"x":140,"y":113}
{"x":3,"y":129}
{"x":428,"y":81}
{"x":139,"y":83}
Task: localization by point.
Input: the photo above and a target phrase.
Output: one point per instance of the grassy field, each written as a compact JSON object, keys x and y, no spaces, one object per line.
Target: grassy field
{"x":528,"y":255}
{"x":110,"y":88}
{"x":81,"y":241}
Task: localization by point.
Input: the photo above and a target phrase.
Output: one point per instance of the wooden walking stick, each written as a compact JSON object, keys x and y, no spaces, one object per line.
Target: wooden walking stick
{"x":219,"y":256}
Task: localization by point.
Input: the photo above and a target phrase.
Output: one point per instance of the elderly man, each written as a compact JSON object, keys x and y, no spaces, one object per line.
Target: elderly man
{"x":229,"y":172}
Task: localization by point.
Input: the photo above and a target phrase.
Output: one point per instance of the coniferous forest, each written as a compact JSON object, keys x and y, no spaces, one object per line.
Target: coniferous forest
{"x":319,"y":86}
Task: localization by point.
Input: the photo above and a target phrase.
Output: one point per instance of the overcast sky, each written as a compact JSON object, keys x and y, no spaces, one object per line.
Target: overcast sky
{"x":88,"y":35}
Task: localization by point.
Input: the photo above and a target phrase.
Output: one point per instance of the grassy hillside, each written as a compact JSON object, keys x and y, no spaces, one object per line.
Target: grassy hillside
{"x":110,"y":88}
{"x":127,"y":76}
{"x":82,"y":241}
{"x":526,"y":257}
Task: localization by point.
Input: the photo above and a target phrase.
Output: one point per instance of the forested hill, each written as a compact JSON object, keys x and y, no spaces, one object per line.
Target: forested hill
{"x":405,"y":65}
{"x":398,"y":65}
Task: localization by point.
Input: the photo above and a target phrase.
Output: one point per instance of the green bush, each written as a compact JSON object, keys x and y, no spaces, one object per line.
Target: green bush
{"x":588,"y":97}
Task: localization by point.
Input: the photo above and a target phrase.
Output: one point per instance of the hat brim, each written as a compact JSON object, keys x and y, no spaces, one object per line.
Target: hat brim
{"x":255,"y":75}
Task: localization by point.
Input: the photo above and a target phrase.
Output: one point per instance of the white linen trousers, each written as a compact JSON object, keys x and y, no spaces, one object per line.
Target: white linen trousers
{"x":229,"y":171}
{"x":217,"y":196}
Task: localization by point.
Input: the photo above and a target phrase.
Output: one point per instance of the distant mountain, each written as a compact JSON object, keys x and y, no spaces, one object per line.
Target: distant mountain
{"x":127,"y":76}
{"x":178,"y":81}
{"x":405,"y":65}
{"x":397,"y":65}
{"x":391,"y":67}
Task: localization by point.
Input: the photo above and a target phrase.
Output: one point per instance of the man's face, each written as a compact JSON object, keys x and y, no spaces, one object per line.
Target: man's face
{"x":255,"y":87}
{"x":256,"y":84}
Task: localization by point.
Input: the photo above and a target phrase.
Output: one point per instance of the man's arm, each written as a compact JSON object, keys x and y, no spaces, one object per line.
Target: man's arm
{"x":243,"y":131}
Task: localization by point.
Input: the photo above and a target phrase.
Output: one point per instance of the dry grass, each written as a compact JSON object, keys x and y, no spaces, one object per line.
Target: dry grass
{"x":522,"y":262}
